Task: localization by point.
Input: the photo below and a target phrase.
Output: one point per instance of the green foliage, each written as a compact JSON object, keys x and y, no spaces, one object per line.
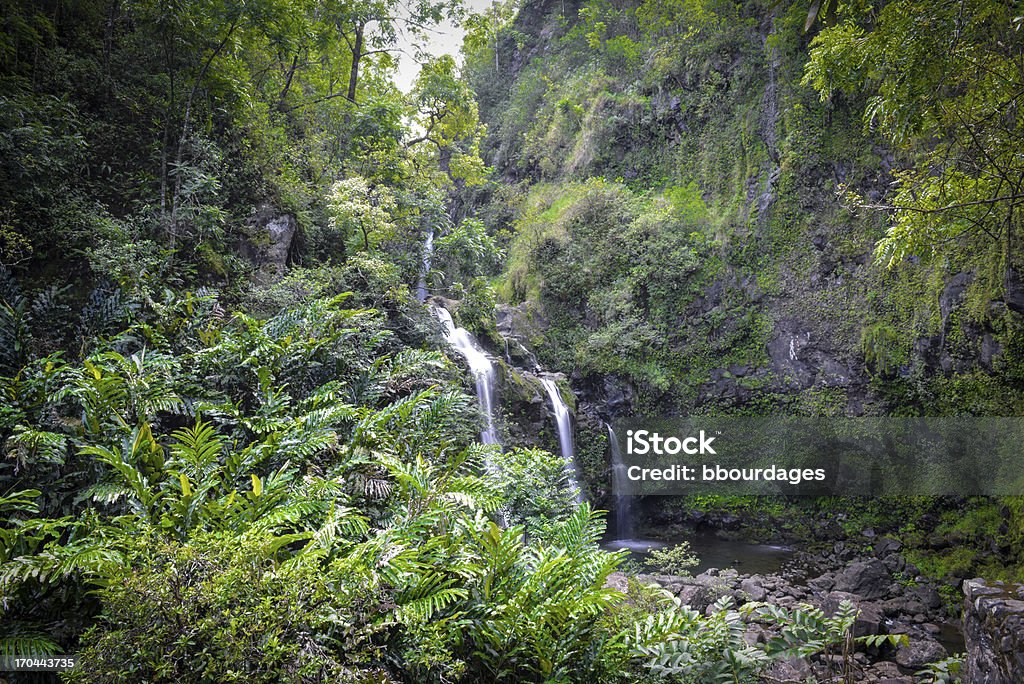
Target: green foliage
{"x":447,"y":114}
{"x":946,"y":671}
{"x":296,"y":497}
{"x":673,"y":560}
{"x":611,"y":272}
{"x":466,"y":251}
{"x":681,"y":643}
{"x":537,"y":489}
{"x":881,"y":347}
{"x":288,"y":490}
{"x":960,"y":189}
{"x":359,"y":217}
{"x":247,"y":617}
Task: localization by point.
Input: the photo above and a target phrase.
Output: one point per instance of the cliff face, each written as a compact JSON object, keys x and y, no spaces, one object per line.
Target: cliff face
{"x":679,"y":230}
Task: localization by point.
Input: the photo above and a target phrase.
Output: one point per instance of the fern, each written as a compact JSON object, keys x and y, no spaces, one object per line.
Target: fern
{"x":27,"y":644}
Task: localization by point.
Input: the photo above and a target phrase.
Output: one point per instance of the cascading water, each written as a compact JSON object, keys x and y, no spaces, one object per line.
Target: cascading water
{"x":428,"y":254}
{"x":563,"y":420}
{"x":468,"y":348}
{"x":623,"y":502}
{"x":483,"y":371}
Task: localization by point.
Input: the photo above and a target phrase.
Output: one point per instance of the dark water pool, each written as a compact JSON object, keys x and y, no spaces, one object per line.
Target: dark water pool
{"x":712,"y":552}
{"x":951,"y":636}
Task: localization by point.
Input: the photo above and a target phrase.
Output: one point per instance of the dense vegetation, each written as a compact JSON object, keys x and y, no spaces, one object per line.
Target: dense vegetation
{"x":232,"y":457}
{"x":693,"y":176}
{"x":737,"y":207}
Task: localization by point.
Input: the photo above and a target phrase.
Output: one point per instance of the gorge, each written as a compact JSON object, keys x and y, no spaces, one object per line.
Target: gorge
{"x":310,"y":374}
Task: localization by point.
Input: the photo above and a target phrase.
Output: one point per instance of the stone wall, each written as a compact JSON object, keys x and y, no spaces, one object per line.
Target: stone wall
{"x":994,"y":632}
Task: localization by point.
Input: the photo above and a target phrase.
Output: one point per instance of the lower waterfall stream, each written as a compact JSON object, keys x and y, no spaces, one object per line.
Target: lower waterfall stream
{"x":563,"y":421}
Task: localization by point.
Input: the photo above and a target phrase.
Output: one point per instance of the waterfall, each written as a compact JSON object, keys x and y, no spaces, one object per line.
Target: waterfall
{"x":428,"y":254}
{"x":483,"y":371}
{"x":563,"y":420}
{"x":623,"y":502}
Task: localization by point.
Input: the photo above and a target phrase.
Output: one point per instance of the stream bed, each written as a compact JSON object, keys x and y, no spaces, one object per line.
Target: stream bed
{"x":747,"y":559}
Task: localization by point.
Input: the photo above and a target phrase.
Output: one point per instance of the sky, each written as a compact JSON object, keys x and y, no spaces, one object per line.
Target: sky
{"x":446,"y":39}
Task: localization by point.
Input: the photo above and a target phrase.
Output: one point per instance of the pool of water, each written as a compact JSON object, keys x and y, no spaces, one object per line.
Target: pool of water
{"x":951,"y":636}
{"x":712,"y":552}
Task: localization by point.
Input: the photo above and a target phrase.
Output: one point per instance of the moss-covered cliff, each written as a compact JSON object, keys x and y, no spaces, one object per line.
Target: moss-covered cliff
{"x":679,"y":206}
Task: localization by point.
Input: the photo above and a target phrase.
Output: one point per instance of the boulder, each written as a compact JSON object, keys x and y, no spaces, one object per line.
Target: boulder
{"x":928,"y":596}
{"x":822,"y":583}
{"x":919,"y":652}
{"x":868,"y":579}
{"x":791,"y":670}
{"x":617,"y":581}
{"x":870,"y":617}
{"x":753,"y":589}
{"x":886,"y":545}
{"x":270,"y":234}
{"x":885,"y":669}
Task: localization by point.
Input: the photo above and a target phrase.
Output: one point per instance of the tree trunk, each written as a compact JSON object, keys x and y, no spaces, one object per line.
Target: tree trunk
{"x":357,"y":54}
{"x":288,"y":83}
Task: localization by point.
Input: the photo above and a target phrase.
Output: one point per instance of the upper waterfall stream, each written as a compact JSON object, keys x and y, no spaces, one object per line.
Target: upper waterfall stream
{"x":483,"y":371}
{"x":428,"y":254}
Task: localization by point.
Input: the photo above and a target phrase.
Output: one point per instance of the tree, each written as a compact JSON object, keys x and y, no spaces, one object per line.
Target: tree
{"x":945,"y":82}
{"x":361,"y":212}
{"x":447,"y":117}
{"x":373,"y":27}
{"x":483,"y":30}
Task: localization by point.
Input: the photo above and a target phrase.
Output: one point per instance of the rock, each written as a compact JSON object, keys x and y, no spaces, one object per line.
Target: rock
{"x":993,"y":619}
{"x":928,"y":596}
{"x":953,"y":292}
{"x":885,"y":546}
{"x":823,"y":583}
{"x":730,"y":521}
{"x":1014,"y":296}
{"x":617,"y":581}
{"x":870,"y":617}
{"x":619,"y":393}
{"x":753,"y":589}
{"x":885,"y":669}
{"x":914,"y":607}
{"x":269,"y":242}
{"x":784,"y":351}
{"x":919,"y":652}
{"x":697,"y":596}
{"x":791,"y":670}
{"x":868,"y":579}
{"x":894,"y":607}
{"x":755,"y":634}
{"x":894,"y":562}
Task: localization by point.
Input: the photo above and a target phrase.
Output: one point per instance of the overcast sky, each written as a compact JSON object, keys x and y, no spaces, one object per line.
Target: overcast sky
{"x":446,"y":39}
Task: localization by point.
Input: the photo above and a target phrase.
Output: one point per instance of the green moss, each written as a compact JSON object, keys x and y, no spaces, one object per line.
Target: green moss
{"x":884,"y":348}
